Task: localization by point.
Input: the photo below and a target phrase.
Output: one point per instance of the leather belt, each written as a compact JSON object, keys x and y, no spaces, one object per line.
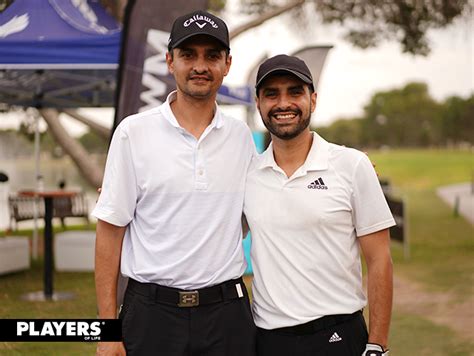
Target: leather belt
{"x":232,"y":289}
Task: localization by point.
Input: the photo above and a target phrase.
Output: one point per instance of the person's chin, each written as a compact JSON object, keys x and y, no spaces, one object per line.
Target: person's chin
{"x":286,"y":132}
{"x":203,"y":93}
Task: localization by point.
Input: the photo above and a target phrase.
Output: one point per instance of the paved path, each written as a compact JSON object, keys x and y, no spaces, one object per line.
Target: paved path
{"x":464,"y":193}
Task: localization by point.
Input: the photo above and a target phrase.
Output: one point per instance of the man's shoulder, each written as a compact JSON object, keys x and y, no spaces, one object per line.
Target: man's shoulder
{"x":139,"y":119}
{"x":344,"y":151}
{"x":234,"y":123}
{"x":345,"y":157}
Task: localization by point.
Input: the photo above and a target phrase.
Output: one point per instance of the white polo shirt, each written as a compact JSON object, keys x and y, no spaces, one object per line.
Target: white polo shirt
{"x":305,"y":254}
{"x":180,"y":198}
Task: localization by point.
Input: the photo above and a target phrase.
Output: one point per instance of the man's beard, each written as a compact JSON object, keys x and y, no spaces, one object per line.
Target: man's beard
{"x":283,"y":132}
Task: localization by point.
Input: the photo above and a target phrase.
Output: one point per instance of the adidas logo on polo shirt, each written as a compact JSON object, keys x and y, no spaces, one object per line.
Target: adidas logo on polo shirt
{"x":317,"y":184}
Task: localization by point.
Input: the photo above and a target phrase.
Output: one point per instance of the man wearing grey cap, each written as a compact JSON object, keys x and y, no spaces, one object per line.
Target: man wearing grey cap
{"x":169,"y":214}
{"x":310,"y":206}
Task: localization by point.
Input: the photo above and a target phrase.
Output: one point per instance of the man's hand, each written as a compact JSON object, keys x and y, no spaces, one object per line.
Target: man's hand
{"x":110,"y":349}
{"x":374,"y":350}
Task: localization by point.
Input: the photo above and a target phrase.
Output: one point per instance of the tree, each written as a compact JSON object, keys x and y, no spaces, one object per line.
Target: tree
{"x":406,"y":117}
{"x":89,"y":169}
{"x":368,"y":22}
{"x":457,"y":120}
{"x":402,"y":117}
{"x":345,"y":132}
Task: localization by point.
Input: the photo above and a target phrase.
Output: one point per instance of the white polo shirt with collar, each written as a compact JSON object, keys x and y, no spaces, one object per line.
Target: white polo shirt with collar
{"x":180,"y":198}
{"x":305,"y":254}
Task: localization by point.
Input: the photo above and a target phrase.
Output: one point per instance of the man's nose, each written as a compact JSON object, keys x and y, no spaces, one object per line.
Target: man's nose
{"x":284,"y":102}
{"x":200,"y":65}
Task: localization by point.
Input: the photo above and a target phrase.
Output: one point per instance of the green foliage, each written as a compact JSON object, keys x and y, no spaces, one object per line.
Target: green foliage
{"x":368,"y":23}
{"x":216,"y":5}
{"x":457,"y":120}
{"x":343,"y":132}
{"x":402,"y":117}
{"x":93,"y":143}
{"x":406,"y":117}
{"x":251,"y":7}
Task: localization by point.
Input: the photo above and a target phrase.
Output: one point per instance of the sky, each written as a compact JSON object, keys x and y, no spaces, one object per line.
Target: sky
{"x":350,"y":75}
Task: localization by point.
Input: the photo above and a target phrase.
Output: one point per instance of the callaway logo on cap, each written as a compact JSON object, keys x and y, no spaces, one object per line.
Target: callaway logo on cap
{"x":198,"y":23}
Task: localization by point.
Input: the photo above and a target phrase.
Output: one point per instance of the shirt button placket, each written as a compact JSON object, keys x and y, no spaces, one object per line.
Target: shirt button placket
{"x":200,"y":171}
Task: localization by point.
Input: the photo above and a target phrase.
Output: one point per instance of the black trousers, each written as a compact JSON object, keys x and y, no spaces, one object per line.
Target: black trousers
{"x":225,"y":328}
{"x":347,"y":338}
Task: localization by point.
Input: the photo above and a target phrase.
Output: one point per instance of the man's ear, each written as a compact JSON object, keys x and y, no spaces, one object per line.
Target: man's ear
{"x":228,"y":62}
{"x":169,"y":62}
{"x":313,"y":101}
{"x":257,"y":102}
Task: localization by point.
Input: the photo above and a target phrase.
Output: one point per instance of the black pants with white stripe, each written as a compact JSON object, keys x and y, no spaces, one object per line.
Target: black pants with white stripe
{"x":347,"y":338}
{"x":220,"y":329}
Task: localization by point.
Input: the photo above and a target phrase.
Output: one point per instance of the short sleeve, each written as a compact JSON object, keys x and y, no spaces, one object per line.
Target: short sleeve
{"x":117,"y":200}
{"x":370,"y":209}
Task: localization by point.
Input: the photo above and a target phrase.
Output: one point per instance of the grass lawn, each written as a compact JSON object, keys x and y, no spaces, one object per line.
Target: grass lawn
{"x":441,"y":245}
{"x":424,"y":169}
{"x":414,"y":336}
{"x":83,"y":306}
{"x":442,"y":259}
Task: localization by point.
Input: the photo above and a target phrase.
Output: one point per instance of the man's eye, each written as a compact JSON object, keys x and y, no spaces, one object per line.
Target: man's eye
{"x":296,"y":92}
{"x":270,"y":94}
{"x":214,"y":56}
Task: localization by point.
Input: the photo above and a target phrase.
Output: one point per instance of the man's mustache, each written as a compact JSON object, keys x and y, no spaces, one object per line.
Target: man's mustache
{"x":205,"y":75}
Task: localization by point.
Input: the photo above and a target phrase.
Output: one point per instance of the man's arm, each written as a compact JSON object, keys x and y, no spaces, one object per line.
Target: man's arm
{"x":108,"y":248}
{"x":376,"y":250}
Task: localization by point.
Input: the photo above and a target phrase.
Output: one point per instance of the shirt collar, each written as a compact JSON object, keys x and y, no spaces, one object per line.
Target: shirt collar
{"x":217,"y":121}
{"x":318,"y":155}
{"x":317,"y":159}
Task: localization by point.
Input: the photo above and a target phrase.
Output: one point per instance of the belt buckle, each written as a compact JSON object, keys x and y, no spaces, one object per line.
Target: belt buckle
{"x":188,"y":299}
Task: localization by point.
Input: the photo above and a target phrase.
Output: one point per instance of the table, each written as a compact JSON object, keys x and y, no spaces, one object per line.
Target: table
{"x":47,"y":294}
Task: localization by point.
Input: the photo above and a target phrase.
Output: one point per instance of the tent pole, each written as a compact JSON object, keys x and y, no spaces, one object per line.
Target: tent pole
{"x":39,"y":186}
